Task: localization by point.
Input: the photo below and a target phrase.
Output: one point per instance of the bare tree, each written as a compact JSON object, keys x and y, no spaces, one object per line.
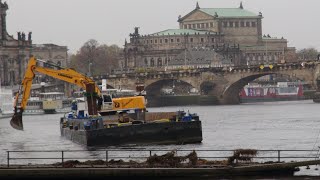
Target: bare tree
{"x":308,"y":54}
{"x":94,"y":59}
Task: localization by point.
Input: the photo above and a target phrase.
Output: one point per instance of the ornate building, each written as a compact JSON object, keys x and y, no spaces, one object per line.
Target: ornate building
{"x":208,"y":37}
{"x":15,"y":52}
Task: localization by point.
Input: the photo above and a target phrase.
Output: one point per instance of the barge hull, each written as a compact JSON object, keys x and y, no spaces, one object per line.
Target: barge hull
{"x":149,"y":133}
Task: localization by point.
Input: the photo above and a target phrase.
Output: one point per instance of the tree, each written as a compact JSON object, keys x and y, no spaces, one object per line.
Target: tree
{"x":95,"y":59}
{"x":307,"y":54}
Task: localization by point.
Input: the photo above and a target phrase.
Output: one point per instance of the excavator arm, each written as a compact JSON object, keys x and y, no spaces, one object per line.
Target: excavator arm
{"x":73,"y":77}
{"x":67,"y":75}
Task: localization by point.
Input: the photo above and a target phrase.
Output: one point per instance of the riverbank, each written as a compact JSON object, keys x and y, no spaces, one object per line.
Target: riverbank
{"x":238,"y":164}
{"x":100,"y":171}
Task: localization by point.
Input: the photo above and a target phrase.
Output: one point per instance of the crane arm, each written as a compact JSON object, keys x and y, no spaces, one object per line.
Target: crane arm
{"x":67,"y":75}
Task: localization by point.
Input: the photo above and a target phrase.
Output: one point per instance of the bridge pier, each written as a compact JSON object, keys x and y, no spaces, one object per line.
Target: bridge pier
{"x":229,"y":100}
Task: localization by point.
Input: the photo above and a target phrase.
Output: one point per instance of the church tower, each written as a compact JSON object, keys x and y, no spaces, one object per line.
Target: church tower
{"x":3,"y":14}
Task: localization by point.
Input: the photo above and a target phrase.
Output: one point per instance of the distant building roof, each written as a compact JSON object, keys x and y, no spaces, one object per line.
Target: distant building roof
{"x":181,"y":31}
{"x":228,"y":12}
{"x":48,"y":46}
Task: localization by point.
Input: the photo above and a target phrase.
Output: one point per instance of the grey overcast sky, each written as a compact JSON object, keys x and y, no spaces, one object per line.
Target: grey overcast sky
{"x":73,"y":22}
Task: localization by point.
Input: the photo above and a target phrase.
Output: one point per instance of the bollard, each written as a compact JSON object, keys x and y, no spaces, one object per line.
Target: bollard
{"x":8,"y":158}
{"x":107,"y":158}
{"x":62,"y":163}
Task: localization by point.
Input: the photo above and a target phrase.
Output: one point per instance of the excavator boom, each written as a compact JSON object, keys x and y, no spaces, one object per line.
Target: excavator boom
{"x":73,"y":77}
{"x":67,"y":75}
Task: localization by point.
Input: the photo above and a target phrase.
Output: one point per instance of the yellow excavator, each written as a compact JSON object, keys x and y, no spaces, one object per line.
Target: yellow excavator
{"x":97,"y":101}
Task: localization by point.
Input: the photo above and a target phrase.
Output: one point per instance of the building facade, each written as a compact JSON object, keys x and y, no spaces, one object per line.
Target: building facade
{"x":227,"y":37}
{"x":15,"y":52}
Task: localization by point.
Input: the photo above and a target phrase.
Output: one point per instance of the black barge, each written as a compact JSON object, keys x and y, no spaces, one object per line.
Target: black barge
{"x":126,"y":128}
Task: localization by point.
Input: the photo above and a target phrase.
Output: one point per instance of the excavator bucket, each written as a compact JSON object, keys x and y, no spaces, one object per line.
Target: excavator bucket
{"x":16,"y":121}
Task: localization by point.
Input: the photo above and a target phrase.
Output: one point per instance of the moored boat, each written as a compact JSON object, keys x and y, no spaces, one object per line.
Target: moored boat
{"x":47,"y":103}
{"x":283,"y":91}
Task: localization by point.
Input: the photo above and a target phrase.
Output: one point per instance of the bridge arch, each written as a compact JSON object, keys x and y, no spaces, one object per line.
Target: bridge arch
{"x":177,"y":85}
{"x":231,"y":93}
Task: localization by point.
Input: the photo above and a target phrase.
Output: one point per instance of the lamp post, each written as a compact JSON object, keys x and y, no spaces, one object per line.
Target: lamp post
{"x":90,"y":64}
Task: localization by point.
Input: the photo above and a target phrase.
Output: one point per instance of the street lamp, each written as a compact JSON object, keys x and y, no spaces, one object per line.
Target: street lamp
{"x":90,"y":64}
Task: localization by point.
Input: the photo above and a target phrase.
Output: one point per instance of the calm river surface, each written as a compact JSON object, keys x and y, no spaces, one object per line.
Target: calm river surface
{"x":273,"y":125}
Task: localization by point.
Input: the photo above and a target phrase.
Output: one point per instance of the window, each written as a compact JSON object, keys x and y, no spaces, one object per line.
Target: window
{"x":207,"y":25}
{"x":193,"y":26}
{"x":159,"y":63}
{"x":160,"y":40}
{"x":172,"y":40}
{"x":247,"y":24}
{"x":230,"y":24}
{"x":236,"y":24}
{"x":202,"y":25}
{"x":147,"y":41}
{"x":185,"y":26}
{"x":189,"y":26}
{"x":253,"y":24}
{"x":150,"y":41}
{"x":242,"y":24}
{"x":178,"y":40}
{"x":198,"y":25}
{"x":191,"y":39}
{"x":211,"y":24}
{"x":225,"y":24}
{"x":166,"y":40}
{"x":213,"y":40}
{"x":155,"y":41}
{"x":146,"y":62}
{"x":202,"y":40}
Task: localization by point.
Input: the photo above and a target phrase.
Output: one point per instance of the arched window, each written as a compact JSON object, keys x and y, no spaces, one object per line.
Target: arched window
{"x":159,"y":63}
{"x":146,"y":62}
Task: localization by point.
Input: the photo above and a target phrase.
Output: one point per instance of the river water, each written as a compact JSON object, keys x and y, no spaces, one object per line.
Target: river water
{"x":272,"y":125}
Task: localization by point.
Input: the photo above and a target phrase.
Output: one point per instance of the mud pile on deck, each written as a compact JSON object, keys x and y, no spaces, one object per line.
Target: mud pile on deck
{"x":170,"y":160}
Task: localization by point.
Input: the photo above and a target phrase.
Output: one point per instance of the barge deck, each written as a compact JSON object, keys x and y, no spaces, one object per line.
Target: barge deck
{"x":107,"y":130}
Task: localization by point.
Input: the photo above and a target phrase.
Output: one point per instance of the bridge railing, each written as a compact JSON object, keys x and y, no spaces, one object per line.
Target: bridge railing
{"x":26,"y":158}
{"x":159,"y":70}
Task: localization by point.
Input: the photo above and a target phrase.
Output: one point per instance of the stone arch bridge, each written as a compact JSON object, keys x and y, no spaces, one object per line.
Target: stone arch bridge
{"x":224,"y":83}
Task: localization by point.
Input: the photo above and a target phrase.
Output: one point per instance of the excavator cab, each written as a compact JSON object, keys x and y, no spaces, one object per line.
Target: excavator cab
{"x":107,"y":101}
